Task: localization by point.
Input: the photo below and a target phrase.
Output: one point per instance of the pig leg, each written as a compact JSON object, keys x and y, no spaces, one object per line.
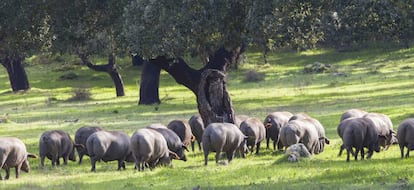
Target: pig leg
{"x":257,"y":148}
{"x":1,"y":166}
{"x":199,"y":145}
{"x":57,"y":161}
{"x":119,"y":164}
{"x":17,"y":168}
{"x":93,"y":163}
{"x":65,"y":160}
{"x":80,"y":158}
{"x":348,"y":151}
{"x":230,"y":155}
{"x":356,"y":154}
{"x":42,"y":161}
{"x":217,"y":156}
{"x":205,"y":156}
{"x":267,"y":142}
{"x":7,"y":173}
{"x":137,"y":165}
{"x":363,"y":154}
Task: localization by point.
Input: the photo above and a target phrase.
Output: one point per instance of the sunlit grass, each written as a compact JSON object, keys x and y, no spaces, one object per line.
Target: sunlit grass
{"x":377,"y":80}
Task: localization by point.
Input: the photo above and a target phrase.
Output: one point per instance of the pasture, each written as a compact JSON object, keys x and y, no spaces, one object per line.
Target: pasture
{"x":376,"y":79}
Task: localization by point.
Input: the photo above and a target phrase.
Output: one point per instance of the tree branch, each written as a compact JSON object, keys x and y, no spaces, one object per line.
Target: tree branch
{"x":180,"y":71}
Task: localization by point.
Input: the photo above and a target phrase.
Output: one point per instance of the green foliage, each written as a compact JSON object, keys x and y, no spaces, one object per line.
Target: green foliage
{"x":23,"y":29}
{"x":323,"y":96}
{"x":357,"y":22}
{"x":177,"y":28}
{"x":92,"y":27}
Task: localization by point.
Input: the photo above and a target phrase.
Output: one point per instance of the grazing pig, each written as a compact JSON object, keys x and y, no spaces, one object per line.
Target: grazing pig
{"x":56,"y":144}
{"x":273,"y":122}
{"x":405,"y":135}
{"x":300,"y":131}
{"x":223,"y":137}
{"x":174,"y":142}
{"x":359,"y":133}
{"x":319,"y":128}
{"x":340,"y":130}
{"x":109,"y":146}
{"x":239,"y":119}
{"x":13,"y":154}
{"x":254,"y":129}
{"x":352,"y":113}
{"x":384,"y":127}
{"x":183,"y":130}
{"x":150,"y":148}
{"x":197,"y":128}
{"x":81,"y":135}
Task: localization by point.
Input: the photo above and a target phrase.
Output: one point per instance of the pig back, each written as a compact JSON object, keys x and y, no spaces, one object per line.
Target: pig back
{"x":222,"y":137}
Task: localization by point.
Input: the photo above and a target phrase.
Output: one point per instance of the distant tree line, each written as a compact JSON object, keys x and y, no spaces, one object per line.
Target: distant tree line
{"x":174,"y":29}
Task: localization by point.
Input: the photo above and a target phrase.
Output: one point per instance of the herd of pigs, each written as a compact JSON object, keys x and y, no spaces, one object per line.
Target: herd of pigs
{"x":156,"y":144}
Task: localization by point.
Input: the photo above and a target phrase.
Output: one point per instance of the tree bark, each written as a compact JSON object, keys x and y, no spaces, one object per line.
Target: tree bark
{"x":17,"y":75}
{"x":180,"y":71}
{"x":208,"y":83}
{"x":109,"y":68}
{"x":150,"y":79}
{"x":213,"y":99}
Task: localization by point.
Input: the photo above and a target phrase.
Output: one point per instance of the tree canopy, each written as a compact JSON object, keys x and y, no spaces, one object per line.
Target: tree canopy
{"x":23,"y":28}
{"x":154,"y":28}
{"x":93,"y":27}
{"x":175,"y":28}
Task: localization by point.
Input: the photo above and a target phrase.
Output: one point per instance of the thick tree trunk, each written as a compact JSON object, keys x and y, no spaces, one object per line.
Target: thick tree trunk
{"x":109,"y":68}
{"x":137,"y":60}
{"x":17,"y":74}
{"x":150,"y":79}
{"x":213,"y":98}
{"x":208,"y":83}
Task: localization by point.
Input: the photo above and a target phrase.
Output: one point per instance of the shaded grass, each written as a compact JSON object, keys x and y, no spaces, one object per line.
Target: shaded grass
{"x":378,"y":80}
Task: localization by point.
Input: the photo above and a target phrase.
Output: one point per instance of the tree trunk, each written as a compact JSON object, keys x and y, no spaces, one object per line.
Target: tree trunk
{"x":208,"y":83}
{"x":17,"y":74}
{"x":213,"y":99}
{"x":150,"y":80}
{"x":136,"y":60}
{"x":109,"y":68}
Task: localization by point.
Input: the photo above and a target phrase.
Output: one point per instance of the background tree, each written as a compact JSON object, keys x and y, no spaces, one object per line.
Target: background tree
{"x":260,"y":25}
{"x":284,"y":24}
{"x":90,"y":28}
{"x":165,"y":31}
{"x":349,"y":23}
{"x":22,"y":34}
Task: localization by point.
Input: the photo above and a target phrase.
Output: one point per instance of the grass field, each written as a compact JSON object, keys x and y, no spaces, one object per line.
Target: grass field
{"x":376,"y":79}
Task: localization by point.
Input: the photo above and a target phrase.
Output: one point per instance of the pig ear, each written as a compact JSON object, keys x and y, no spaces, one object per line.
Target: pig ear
{"x":392,"y":131}
{"x":268,"y":125}
{"x":174,"y":155}
{"x":185,"y":148}
{"x":327,"y":141}
{"x":30,"y":155}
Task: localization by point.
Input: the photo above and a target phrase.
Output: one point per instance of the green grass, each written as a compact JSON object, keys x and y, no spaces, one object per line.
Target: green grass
{"x":377,"y":80}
